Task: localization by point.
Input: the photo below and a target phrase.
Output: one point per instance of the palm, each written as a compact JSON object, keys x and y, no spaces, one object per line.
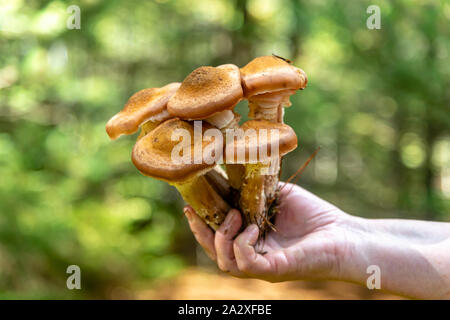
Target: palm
{"x":306,"y":236}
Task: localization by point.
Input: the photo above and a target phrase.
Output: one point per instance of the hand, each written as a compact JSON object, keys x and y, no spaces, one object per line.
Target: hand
{"x":316,"y":240}
{"x":309,"y":240}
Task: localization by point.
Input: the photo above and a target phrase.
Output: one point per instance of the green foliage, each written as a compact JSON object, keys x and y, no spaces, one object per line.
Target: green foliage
{"x":377,"y":103}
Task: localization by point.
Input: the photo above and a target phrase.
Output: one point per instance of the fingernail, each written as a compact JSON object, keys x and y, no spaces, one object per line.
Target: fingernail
{"x":187,"y":213}
{"x":230,"y":217}
{"x":252,"y":229}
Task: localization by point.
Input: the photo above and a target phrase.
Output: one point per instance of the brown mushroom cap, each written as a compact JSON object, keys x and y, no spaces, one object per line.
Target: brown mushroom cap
{"x":152,"y":153}
{"x":287,"y":140}
{"x":269,"y":73}
{"x":142,"y":106}
{"x":205,"y":91}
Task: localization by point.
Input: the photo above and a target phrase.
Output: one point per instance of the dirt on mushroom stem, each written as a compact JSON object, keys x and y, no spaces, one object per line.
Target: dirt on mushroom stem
{"x":273,"y":204}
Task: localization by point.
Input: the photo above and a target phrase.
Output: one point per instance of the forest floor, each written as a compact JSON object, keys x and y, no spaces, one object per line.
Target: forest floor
{"x":197,"y":283}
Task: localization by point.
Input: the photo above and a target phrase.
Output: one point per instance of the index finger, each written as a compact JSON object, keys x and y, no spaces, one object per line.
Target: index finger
{"x":202,"y":233}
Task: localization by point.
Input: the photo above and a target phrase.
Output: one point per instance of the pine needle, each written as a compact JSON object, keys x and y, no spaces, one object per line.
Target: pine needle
{"x":297,"y":174}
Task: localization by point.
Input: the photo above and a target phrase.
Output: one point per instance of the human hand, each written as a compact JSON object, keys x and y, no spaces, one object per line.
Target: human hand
{"x":316,"y":240}
{"x":309,"y":240}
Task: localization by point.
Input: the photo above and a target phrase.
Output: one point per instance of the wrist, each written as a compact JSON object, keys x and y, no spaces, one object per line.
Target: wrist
{"x":353,"y":258}
{"x":404,"y":263}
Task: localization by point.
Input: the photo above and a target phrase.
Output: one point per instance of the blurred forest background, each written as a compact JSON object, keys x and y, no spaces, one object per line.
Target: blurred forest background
{"x":377,"y":102}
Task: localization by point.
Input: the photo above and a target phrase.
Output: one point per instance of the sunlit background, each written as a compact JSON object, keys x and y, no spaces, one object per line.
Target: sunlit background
{"x":377,"y":103}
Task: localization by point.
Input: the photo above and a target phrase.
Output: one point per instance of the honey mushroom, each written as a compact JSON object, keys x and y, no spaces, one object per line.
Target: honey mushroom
{"x":152,"y":156}
{"x":146,"y":108}
{"x":269,"y":140}
{"x":268,"y":82}
{"x":210,"y":94}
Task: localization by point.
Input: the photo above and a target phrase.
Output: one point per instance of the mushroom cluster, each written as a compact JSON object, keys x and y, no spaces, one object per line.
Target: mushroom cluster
{"x":242,"y":170}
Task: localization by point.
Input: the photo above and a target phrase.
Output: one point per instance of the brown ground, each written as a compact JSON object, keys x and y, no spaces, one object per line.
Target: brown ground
{"x":196,"y":283}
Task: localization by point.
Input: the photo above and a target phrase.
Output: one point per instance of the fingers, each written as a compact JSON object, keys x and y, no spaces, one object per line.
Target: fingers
{"x":247,"y":259}
{"x":203,"y":234}
{"x":224,"y":243}
{"x":235,"y":256}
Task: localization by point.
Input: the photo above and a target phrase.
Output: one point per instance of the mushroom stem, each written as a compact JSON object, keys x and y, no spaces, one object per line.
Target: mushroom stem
{"x":225,"y":120}
{"x":199,"y":194}
{"x":235,"y":172}
{"x":218,"y":179}
{"x":252,"y":200}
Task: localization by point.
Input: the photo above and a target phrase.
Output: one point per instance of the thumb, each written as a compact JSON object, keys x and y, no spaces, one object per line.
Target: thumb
{"x":247,"y":259}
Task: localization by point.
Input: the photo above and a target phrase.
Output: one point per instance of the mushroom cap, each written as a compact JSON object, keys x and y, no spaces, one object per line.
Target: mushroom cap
{"x":268,"y":74}
{"x":141,"y":107}
{"x":286,"y":138}
{"x":152,"y":154}
{"x":205,"y":91}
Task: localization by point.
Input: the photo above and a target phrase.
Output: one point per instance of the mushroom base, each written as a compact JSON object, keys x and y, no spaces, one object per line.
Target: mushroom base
{"x":259,"y":195}
{"x":202,"y":197}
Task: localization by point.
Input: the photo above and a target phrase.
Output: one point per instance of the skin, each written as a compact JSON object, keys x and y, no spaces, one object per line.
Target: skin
{"x":316,"y":240}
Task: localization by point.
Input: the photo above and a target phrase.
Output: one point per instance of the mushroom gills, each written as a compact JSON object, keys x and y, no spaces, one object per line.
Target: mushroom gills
{"x":267,"y":106}
{"x":146,"y":128}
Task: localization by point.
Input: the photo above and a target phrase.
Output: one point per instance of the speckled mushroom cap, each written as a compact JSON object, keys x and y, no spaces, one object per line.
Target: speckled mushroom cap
{"x":147,"y":104}
{"x":205,"y":91}
{"x":152,"y":154}
{"x":286,"y":138}
{"x":268,"y":74}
